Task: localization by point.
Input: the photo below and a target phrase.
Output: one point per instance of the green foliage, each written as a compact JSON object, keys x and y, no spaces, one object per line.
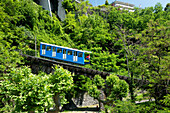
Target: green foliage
{"x":99,"y":81}
{"x":154,"y":54}
{"x":23,"y":20}
{"x":94,"y":91}
{"x":104,"y":61}
{"x":158,"y":7}
{"x":61,"y":82}
{"x":81,"y":82}
{"x":129,"y":107}
{"x":82,"y":7}
{"x":147,"y":49}
{"x":115,"y":89}
{"x":106,"y":2}
{"x":166,"y":100}
{"x":167,"y":8}
{"x":68,"y":5}
{"x":61,"y":79}
{"x":23,"y":91}
{"x":70,"y":23}
{"x":92,"y":31}
{"x":9,"y":58}
{"x":123,"y":107}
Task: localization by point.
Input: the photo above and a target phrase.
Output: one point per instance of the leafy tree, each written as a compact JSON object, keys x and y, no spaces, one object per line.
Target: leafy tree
{"x":9,"y":58}
{"x":106,"y":2}
{"x":23,"y":91}
{"x":104,"y":61}
{"x":167,"y":8}
{"x":68,"y":5}
{"x":166,"y":100}
{"x":61,"y":82}
{"x":154,"y":58}
{"x":82,"y":8}
{"x":112,"y":89}
{"x":70,"y":23}
{"x":124,"y":107}
{"x":158,"y":7}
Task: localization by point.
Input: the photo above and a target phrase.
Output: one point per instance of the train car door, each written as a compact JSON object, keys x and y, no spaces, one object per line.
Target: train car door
{"x":54,"y":52}
{"x":81,"y":57}
{"x":49,"y":51}
{"x":59,"y":54}
{"x":75,"y":56}
{"x":43,"y":49}
{"x":64,"y":53}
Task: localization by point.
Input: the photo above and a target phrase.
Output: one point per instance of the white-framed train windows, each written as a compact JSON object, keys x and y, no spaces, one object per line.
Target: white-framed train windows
{"x":64,"y":53}
{"x":59,"y":50}
{"x":80,"y":55}
{"x":54,"y":49}
{"x":43,"y":49}
{"x":54,"y":52}
{"x":69,"y":53}
{"x":48,"y":48}
{"x":75,"y":56}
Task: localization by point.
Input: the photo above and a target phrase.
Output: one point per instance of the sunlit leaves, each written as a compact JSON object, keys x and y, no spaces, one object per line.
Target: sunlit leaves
{"x":105,"y":61}
{"x":114,"y":88}
{"x":9,"y":58}
{"x":61,"y":79}
{"x":29,"y":92}
{"x":32,"y":92}
{"x":68,"y":5}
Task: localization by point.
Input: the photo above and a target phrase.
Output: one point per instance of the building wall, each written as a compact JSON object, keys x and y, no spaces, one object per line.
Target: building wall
{"x":44,"y":4}
{"x":122,"y":5}
{"x":61,"y":10}
{"x":55,"y":6}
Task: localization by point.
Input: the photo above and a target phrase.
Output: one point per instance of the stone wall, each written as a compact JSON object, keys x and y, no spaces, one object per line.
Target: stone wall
{"x":84,"y":99}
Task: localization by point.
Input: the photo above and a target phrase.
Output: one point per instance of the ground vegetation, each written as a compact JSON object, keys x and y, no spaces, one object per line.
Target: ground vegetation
{"x":134,"y":44}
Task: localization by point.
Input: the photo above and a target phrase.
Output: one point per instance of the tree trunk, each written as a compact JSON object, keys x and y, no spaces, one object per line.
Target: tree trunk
{"x":70,"y":105}
{"x":56,"y":99}
{"x":102,"y":97}
{"x":31,"y":112}
{"x":131,"y":88}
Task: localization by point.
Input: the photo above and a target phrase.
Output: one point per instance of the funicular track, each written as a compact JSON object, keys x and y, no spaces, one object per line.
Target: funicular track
{"x":81,"y":70}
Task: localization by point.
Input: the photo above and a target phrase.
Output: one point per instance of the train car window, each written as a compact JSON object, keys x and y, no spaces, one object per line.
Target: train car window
{"x":48,"y":48}
{"x":69,"y":52}
{"x":54,"y":49}
{"x":59,"y":50}
{"x":64,"y":51}
{"x":80,"y":55}
{"x":75,"y":53}
{"x":43,"y":46}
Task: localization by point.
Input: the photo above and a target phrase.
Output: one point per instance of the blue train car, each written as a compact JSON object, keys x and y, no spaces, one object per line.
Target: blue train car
{"x":63,"y":53}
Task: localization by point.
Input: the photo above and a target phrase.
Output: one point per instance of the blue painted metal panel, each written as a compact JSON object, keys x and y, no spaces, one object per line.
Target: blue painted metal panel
{"x":59,"y":55}
{"x":48,"y":51}
{"x":69,"y":56}
{"x":40,"y":49}
{"x":81,"y":57}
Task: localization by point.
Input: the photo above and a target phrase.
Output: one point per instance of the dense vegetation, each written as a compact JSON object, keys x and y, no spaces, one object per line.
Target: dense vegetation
{"x":134,"y":44}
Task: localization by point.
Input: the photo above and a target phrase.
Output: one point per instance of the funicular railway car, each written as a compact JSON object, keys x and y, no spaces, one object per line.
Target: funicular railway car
{"x":63,"y":53}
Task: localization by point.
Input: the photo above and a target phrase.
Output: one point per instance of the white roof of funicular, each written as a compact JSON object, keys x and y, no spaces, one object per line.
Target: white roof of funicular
{"x":66,"y":47}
